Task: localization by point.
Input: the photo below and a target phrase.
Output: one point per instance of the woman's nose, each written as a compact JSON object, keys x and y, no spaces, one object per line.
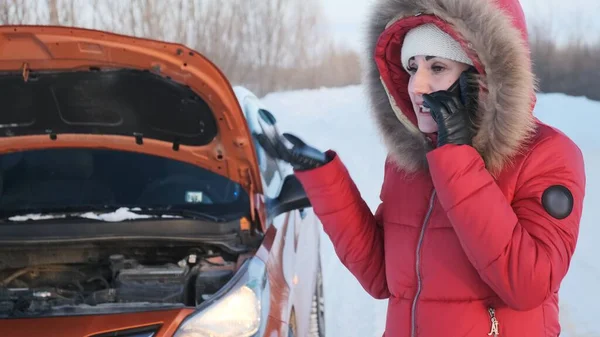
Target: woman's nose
{"x":421,"y":82}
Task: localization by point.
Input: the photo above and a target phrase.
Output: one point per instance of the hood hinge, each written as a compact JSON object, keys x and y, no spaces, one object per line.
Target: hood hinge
{"x":25,"y":71}
{"x":248,"y":177}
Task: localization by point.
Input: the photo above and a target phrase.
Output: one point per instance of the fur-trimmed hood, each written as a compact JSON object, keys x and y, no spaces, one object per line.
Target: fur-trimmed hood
{"x":493,"y":33}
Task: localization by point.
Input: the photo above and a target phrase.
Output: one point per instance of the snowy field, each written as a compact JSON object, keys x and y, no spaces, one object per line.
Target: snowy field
{"x":338,"y":119}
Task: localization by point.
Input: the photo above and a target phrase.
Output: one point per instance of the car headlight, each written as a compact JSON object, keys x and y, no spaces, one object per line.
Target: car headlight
{"x":235,"y":310}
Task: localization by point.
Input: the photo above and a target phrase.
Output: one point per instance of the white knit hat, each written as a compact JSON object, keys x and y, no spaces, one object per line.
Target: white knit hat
{"x":430,"y":40}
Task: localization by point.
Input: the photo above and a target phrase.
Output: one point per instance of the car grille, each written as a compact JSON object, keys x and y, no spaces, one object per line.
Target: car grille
{"x":147,"y":331}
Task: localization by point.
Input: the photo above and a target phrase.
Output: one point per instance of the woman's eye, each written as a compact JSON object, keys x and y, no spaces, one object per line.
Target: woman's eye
{"x":411,"y":69}
{"x":437,"y":69}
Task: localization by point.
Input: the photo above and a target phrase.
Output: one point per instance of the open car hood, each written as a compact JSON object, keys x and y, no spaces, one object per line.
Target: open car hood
{"x":69,"y":87}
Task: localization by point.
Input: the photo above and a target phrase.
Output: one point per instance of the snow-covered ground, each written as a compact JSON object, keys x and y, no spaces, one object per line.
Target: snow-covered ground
{"x":338,"y":119}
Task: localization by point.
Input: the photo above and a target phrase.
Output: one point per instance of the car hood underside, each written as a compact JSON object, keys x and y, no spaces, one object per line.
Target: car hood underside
{"x":68,"y":87}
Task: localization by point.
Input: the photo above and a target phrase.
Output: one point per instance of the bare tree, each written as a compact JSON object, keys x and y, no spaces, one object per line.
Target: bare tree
{"x":14,"y":12}
{"x":571,"y":67}
{"x":53,"y":12}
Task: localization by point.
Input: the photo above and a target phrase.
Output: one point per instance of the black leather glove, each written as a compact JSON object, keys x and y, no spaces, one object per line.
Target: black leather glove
{"x":454,"y":110}
{"x":288,"y":147}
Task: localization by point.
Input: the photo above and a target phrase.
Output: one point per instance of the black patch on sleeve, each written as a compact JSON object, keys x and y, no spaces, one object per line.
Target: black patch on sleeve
{"x":558,"y":201}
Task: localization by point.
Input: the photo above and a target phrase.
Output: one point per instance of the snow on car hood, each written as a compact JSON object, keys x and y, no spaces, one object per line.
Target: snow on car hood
{"x":121,"y":214}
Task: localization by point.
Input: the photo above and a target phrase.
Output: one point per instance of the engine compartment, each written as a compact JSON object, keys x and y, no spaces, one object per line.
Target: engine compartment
{"x":55,"y":280}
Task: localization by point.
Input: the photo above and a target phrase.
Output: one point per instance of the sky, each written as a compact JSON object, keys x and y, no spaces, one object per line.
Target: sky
{"x":570,"y":17}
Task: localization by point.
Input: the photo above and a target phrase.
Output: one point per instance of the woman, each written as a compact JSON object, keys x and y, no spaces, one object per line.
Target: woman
{"x":481,"y":202}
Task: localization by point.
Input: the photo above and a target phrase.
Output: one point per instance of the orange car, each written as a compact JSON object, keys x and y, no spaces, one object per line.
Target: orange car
{"x":135,"y":200}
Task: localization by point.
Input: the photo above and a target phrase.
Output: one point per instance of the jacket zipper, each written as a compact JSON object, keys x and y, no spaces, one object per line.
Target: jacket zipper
{"x":494,"y":328}
{"x":417,"y":265}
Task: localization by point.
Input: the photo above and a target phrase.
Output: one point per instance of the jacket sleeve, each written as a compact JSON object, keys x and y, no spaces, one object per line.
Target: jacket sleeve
{"x":517,"y":247}
{"x":355,"y":232}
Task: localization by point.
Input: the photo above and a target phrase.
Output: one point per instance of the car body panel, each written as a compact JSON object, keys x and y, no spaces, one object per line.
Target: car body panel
{"x":82,"y":326}
{"x":305,"y":268}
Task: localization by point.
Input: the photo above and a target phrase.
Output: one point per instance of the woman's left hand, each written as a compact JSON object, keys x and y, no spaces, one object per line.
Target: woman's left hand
{"x":453,"y":111}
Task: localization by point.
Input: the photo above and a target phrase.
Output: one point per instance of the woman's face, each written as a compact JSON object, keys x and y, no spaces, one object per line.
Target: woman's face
{"x":429,"y":74}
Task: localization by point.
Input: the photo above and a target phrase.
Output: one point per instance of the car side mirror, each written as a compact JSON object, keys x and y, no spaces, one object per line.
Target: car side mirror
{"x":291,"y":197}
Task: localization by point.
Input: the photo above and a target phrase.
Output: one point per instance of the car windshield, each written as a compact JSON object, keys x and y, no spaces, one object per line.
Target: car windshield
{"x":78,"y":179}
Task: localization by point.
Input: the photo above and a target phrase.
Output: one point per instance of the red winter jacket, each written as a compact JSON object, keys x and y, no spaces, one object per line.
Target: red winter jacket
{"x":465,"y":237}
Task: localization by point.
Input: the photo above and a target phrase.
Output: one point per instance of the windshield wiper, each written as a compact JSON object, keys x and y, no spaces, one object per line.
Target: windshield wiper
{"x":182,"y":212}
